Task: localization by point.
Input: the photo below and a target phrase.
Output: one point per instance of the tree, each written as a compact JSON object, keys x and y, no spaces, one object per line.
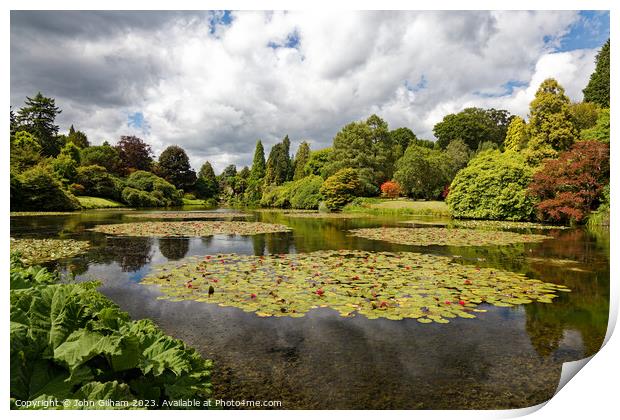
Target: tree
{"x":473,"y":126}
{"x":258,"y":163}
{"x":104,"y":155}
{"x":317,"y":162}
{"x":516,"y":136}
{"x":367,"y":147}
{"x":206,"y":185}
{"x":38,"y":189}
{"x":569,"y":187}
{"x":174,"y":167}
{"x":597,"y":90}
{"x":402,"y":137}
{"x":340,"y":188}
{"x":492,"y":186}
{"x":551,"y":124}
{"x":278,"y":169}
{"x":301,"y":158}
{"x":421,"y":172}
{"x":584,"y":114}
{"x":78,"y":138}
{"x":66,"y":163}
{"x":600,"y":131}
{"x":457,"y":156}
{"x":226,"y":180}
{"x":98,"y":182}
{"x":390,"y":189}
{"x":134,"y":153}
{"x":25,"y":151}
{"x":38,"y":117}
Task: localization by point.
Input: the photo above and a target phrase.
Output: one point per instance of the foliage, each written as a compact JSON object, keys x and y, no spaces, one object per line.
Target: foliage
{"x":25,"y":151}
{"x":301,"y":194}
{"x":145,"y":189}
{"x":516,"y":135}
{"x":600,"y":131}
{"x":402,"y":137}
{"x":78,"y":138}
{"x":390,"y":189}
{"x":473,"y":126}
{"x":597,"y":90}
{"x":301,"y":158}
{"x":569,"y":187}
{"x":189,"y":215}
{"x":195,"y":228}
{"x":174,"y":167}
{"x":68,"y":342}
{"x":37,"y":251}
{"x":134,"y":154}
{"x":421,"y":172}
{"x":367,"y":147}
{"x":226,"y":181}
{"x":371,"y":284}
{"x":38,"y":118}
{"x":585,"y":114}
{"x":601,"y":216}
{"x":206,"y":185}
{"x":492,"y":186}
{"x":38,"y":189}
{"x":317,"y":162}
{"x":65,"y":168}
{"x":97,"y":182}
{"x":258,"y":163}
{"x":457,"y":156}
{"x":279,"y":165}
{"x":340,"y":188}
{"x":551,"y":124}
{"x":105,"y":155}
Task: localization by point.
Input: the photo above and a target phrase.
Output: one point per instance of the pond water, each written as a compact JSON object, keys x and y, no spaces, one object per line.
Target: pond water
{"x":505,"y":358}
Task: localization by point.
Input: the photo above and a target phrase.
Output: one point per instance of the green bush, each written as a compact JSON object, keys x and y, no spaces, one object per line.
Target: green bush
{"x":38,"y":189}
{"x":301,"y":194}
{"x":492,"y":186}
{"x":98,"y":182}
{"x":69,"y":342}
{"x":105,"y":155}
{"x":137,"y":198}
{"x":155,"y":191}
{"x":341,"y":188}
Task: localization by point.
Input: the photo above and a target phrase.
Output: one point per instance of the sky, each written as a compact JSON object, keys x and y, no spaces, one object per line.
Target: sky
{"x":214,"y":82}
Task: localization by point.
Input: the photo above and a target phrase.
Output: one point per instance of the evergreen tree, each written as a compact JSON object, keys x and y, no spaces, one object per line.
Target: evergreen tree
{"x":206,"y":185}
{"x":301,"y":158}
{"x":278,"y":169}
{"x":516,"y":136}
{"x":38,"y":117}
{"x":597,"y":90}
{"x":78,"y":138}
{"x":551,"y":122}
{"x":258,"y":164}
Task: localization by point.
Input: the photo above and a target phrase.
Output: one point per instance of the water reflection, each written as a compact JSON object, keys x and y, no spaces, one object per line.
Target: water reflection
{"x":506,"y":358}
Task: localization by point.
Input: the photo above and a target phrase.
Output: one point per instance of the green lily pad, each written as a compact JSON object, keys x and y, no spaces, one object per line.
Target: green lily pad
{"x":309,"y":215}
{"x":373,"y":284}
{"x":198,"y":228}
{"x":42,"y":213}
{"x":37,"y":251}
{"x":501,"y":224}
{"x":445,"y":236}
{"x":190,"y":215}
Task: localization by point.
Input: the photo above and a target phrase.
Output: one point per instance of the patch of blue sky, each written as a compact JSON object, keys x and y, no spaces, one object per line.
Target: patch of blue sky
{"x":219,"y":17}
{"x":422,"y":84}
{"x":292,"y":41}
{"x":506,"y":89}
{"x":137,"y":121}
{"x":591,"y":30}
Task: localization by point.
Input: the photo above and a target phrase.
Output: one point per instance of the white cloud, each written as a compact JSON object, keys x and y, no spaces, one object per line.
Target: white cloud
{"x":216,"y":92}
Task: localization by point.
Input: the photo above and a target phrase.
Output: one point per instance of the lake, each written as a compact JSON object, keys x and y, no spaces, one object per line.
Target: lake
{"x":504,"y":358}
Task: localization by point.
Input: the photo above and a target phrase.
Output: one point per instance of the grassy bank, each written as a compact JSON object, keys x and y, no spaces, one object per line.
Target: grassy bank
{"x":397,"y":207}
{"x":98,"y":203}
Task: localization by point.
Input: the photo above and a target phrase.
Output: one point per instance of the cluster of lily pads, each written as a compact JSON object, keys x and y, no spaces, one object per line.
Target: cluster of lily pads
{"x":186,"y":228}
{"x":37,"y":251}
{"x":41,"y":213}
{"x":499,"y":224}
{"x":445,"y":236}
{"x":373,"y":284}
{"x":323,"y":215}
{"x":190,"y":215}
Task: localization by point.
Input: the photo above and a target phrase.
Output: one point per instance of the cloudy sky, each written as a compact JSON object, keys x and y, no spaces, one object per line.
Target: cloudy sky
{"x":215,"y":82}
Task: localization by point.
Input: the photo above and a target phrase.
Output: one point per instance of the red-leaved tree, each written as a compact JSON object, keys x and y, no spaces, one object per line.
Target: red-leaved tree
{"x":390,"y":189}
{"x":569,"y":187}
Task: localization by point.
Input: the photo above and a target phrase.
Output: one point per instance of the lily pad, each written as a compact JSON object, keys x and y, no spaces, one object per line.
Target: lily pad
{"x":190,"y":215}
{"x":326,"y":215}
{"x":198,"y":228}
{"x":499,"y":224}
{"x":445,"y":236}
{"x":41,"y":213}
{"x":36,"y":251}
{"x":373,"y":284}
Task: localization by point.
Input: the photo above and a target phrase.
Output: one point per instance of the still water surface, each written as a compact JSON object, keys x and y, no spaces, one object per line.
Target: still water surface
{"x":505,"y":358}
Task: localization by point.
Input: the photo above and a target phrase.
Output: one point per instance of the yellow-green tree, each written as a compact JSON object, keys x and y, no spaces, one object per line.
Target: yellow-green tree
{"x":516,"y":136}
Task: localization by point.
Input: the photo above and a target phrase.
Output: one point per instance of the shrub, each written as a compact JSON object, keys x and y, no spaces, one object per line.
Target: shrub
{"x":421,"y":172}
{"x":65,"y":168}
{"x":390,"y":189}
{"x":105,"y":155}
{"x":569,"y":187}
{"x":97,"y":182}
{"x":138,"y":198}
{"x":38,"y":189}
{"x":301,"y":194}
{"x":160,"y":192}
{"x":69,"y":342}
{"x":340,"y":188}
{"x":77,"y":189}
{"x":492,"y":186}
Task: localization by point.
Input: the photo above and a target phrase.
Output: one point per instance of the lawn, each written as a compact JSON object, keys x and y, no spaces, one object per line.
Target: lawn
{"x":397,"y":206}
{"x":98,"y":203}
